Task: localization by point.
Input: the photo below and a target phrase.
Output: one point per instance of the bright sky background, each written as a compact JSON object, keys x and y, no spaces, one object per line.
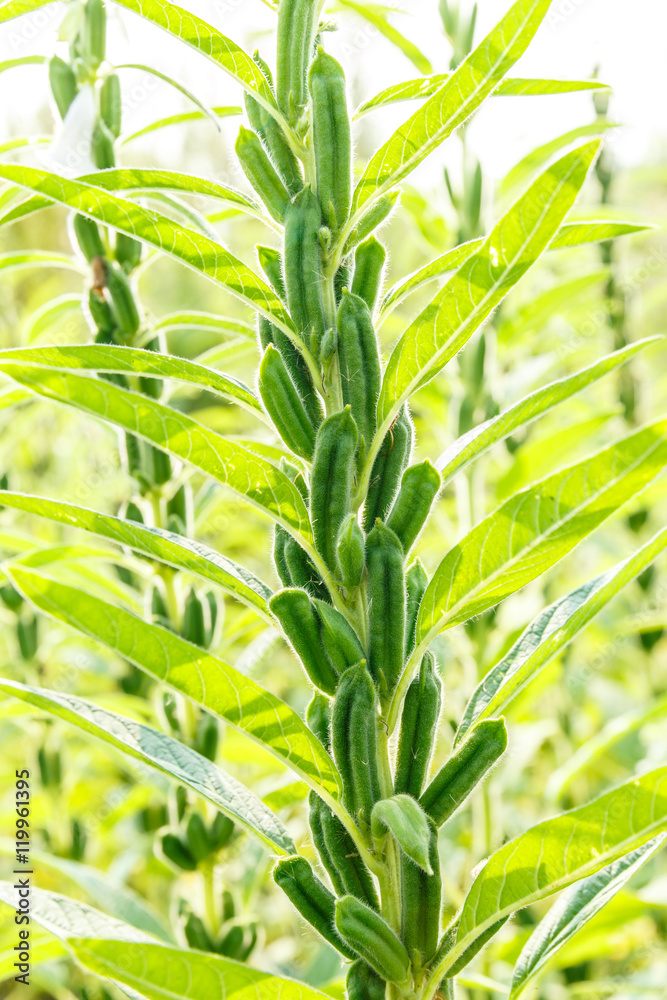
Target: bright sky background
{"x":627,"y":41}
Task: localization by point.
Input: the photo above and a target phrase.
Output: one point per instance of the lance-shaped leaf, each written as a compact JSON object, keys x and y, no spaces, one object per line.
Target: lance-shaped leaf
{"x":165,"y":754}
{"x":455,"y":101}
{"x":555,"y":854}
{"x":221,"y":111}
{"x":251,"y":477}
{"x":570,"y":234}
{"x":403,"y":818}
{"x":466,"y":300}
{"x":17,"y":8}
{"x":375,"y":15}
{"x":205,"y":321}
{"x":555,"y":300}
{"x":116,"y":951}
{"x":189,"y":669}
{"x":478,"y":440}
{"x":110,"y":358}
{"x":157,"y":543}
{"x":39,"y":258}
{"x":573,"y":910}
{"x":550,"y":632}
{"x":425,"y":86}
{"x":534,"y":529}
{"x":193,"y":249}
{"x":520,"y":173}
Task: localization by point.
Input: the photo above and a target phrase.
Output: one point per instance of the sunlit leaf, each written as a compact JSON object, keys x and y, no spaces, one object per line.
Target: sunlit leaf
{"x":221,"y":111}
{"x":50,"y":314}
{"x":552,"y":302}
{"x":375,"y":15}
{"x":536,"y":159}
{"x":39,"y":258}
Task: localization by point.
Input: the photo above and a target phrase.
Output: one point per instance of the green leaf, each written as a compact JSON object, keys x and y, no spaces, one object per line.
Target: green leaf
{"x":375,"y":15}
{"x":136,"y":179}
{"x":17,"y":8}
{"x":534,"y":529}
{"x":470,"y":446}
{"x":206,"y":322}
{"x":521,"y":172}
{"x":167,"y":755}
{"x":573,"y":910}
{"x":550,"y":632}
{"x":455,"y":101}
{"x":256,"y":480}
{"x":207,"y":112}
{"x":22,"y":61}
{"x":221,"y":111}
{"x":175,"y":550}
{"x":555,"y":854}
{"x":411,"y":90}
{"x":50,"y":313}
{"x":110,"y":358}
{"x":193,"y":249}
{"x":594,"y":231}
{"x":541,"y":307}
{"x":406,"y":821}
{"x":39,"y":258}
{"x":191,"y":670}
{"x":467,"y":299}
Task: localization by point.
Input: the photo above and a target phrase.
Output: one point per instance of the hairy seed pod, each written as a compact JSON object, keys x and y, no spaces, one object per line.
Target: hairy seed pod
{"x":102,"y":317}
{"x":332,"y":142}
{"x":300,"y":622}
{"x":110,"y":104}
{"x":280,"y":537}
{"x":338,"y":638}
{"x":207,"y":736}
{"x":297,"y":477}
{"x":261,"y":173}
{"x":303,"y":265}
{"x":28,"y":636}
{"x":10,"y":597}
{"x":95,"y":32}
{"x":196,"y":934}
{"x":63,"y":84}
{"x":373,"y":218}
{"x":193,"y":628}
{"x":271,"y":262}
{"x":388,"y":468}
{"x":275,"y":142}
{"x":284,"y":406}
{"x":296,"y":366}
{"x":363,"y":983}
{"x":353,"y":740}
{"x":297,"y":24}
{"x":102,"y":147}
{"x":366,"y":933}
{"x":157,"y":466}
{"x":122,"y":302}
{"x":464,"y":770}
{"x":421,"y":897}
{"x":50,"y":767}
{"x":179,"y":506}
{"x":350,"y":552}
{"x":302,"y":571}
{"x":416,"y":582}
{"x":159,"y":613}
{"x":318,"y":719}
{"x":178,"y":852}
{"x":369,"y":259}
{"x":332,"y":481}
{"x":419,"y":487}
{"x":127,"y":252}
{"x":386,"y":607}
{"x":88,"y":237}
{"x":359,"y":359}
{"x":310,"y":897}
{"x":196,"y":836}
{"x":419,"y":723}
{"x":340,"y":856}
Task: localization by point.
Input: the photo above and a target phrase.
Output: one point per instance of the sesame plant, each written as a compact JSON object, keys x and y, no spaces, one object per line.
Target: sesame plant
{"x":331,"y":465}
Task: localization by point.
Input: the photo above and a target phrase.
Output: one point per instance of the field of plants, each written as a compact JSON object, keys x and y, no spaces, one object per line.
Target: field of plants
{"x":333,"y":591}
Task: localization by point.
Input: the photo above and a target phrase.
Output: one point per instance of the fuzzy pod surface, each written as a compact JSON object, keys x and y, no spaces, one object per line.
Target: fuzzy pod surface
{"x":296,"y":366}
{"x":416,"y":582}
{"x":303,"y":265}
{"x":369,"y":261}
{"x":261,"y":173}
{"x":421,"y":902}
{"x":350,"y":552}
{"x":297,"y":24}
{"x":363,"y":983}
{"x":299,"y":620}
{"x":332,"y":142}
{"x":332,"y":481}
{"x":318,"y":719}
{"x":338,"y":637}
{"x":388,"y":467}
{"x":354,"y":740}
{"x":419,"y":722}
{"x":311,"y":898}
{"x":386,"y":607}
{"x":371,"y":219}
{"x":339,"y":854}
{"x":110,"y":104}
{"x":365,"y":931}
{"x":419,"y":488}
{"x":284,"y":404}
{"x":359,"y":359}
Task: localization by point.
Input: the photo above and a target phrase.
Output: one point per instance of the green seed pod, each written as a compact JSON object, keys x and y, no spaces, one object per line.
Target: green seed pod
{"x":373,"y":218}
{"x":332,"y":142}
{"x":284,"y":405}
{"x":194,"y":626}
{"x":332,"y":481}
{"x":366,"y":933}
{"x":318,"y":719}
{"x":297,"y":24}
{"x":207,"y":736}
{"x":339,"y":854}
{"x":196,"y":934}
{"x":178,"y":852}
{"x":369,"y":259}
{"x":296,"y":366}
{"x":159,"y":613}
{"x":297,"y":477}
{"x":196,"y":836}
{"x":127,"y":252}
{"x":102,"y":147}
{"x":350,"y":552}
{"x":416,"y":582}
{"x":419,"y":723}
{"x":280,"y":537}
{"x":63,"y":84}
{"x":50,"y":770}
{"x":363,"y":983}
{"x":216,"y":611}
{"x":28,"y":636}
{"x":302,"y":572}
{"x":261,"y":173}
{"x":102,"y":317}
{"x":421,"y":897}
{"x":275,"y":143}
{"x":419,"y":487}
{"x":464,"y":770}
{"x":301,"y":624}
{"x":10,"y":597}
{"x":156,"y":466}
{"x":228,"y":904}
{"x":338,"y":638}
{"x":88,"y":237}
{"x":303,"y":265}
{"x":359,"y":359}
{"x":180,"y":506}
{"x":95,"y":31}
{"x":388,"y":468}
{"x":271,"y":262}
{"x":386,"y":602}
{"x":310,"y":897}
{"x":110,"y":104}
{"x":353,"y":740}
{"x":221,"y":832}
{"x":122,"y":302}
